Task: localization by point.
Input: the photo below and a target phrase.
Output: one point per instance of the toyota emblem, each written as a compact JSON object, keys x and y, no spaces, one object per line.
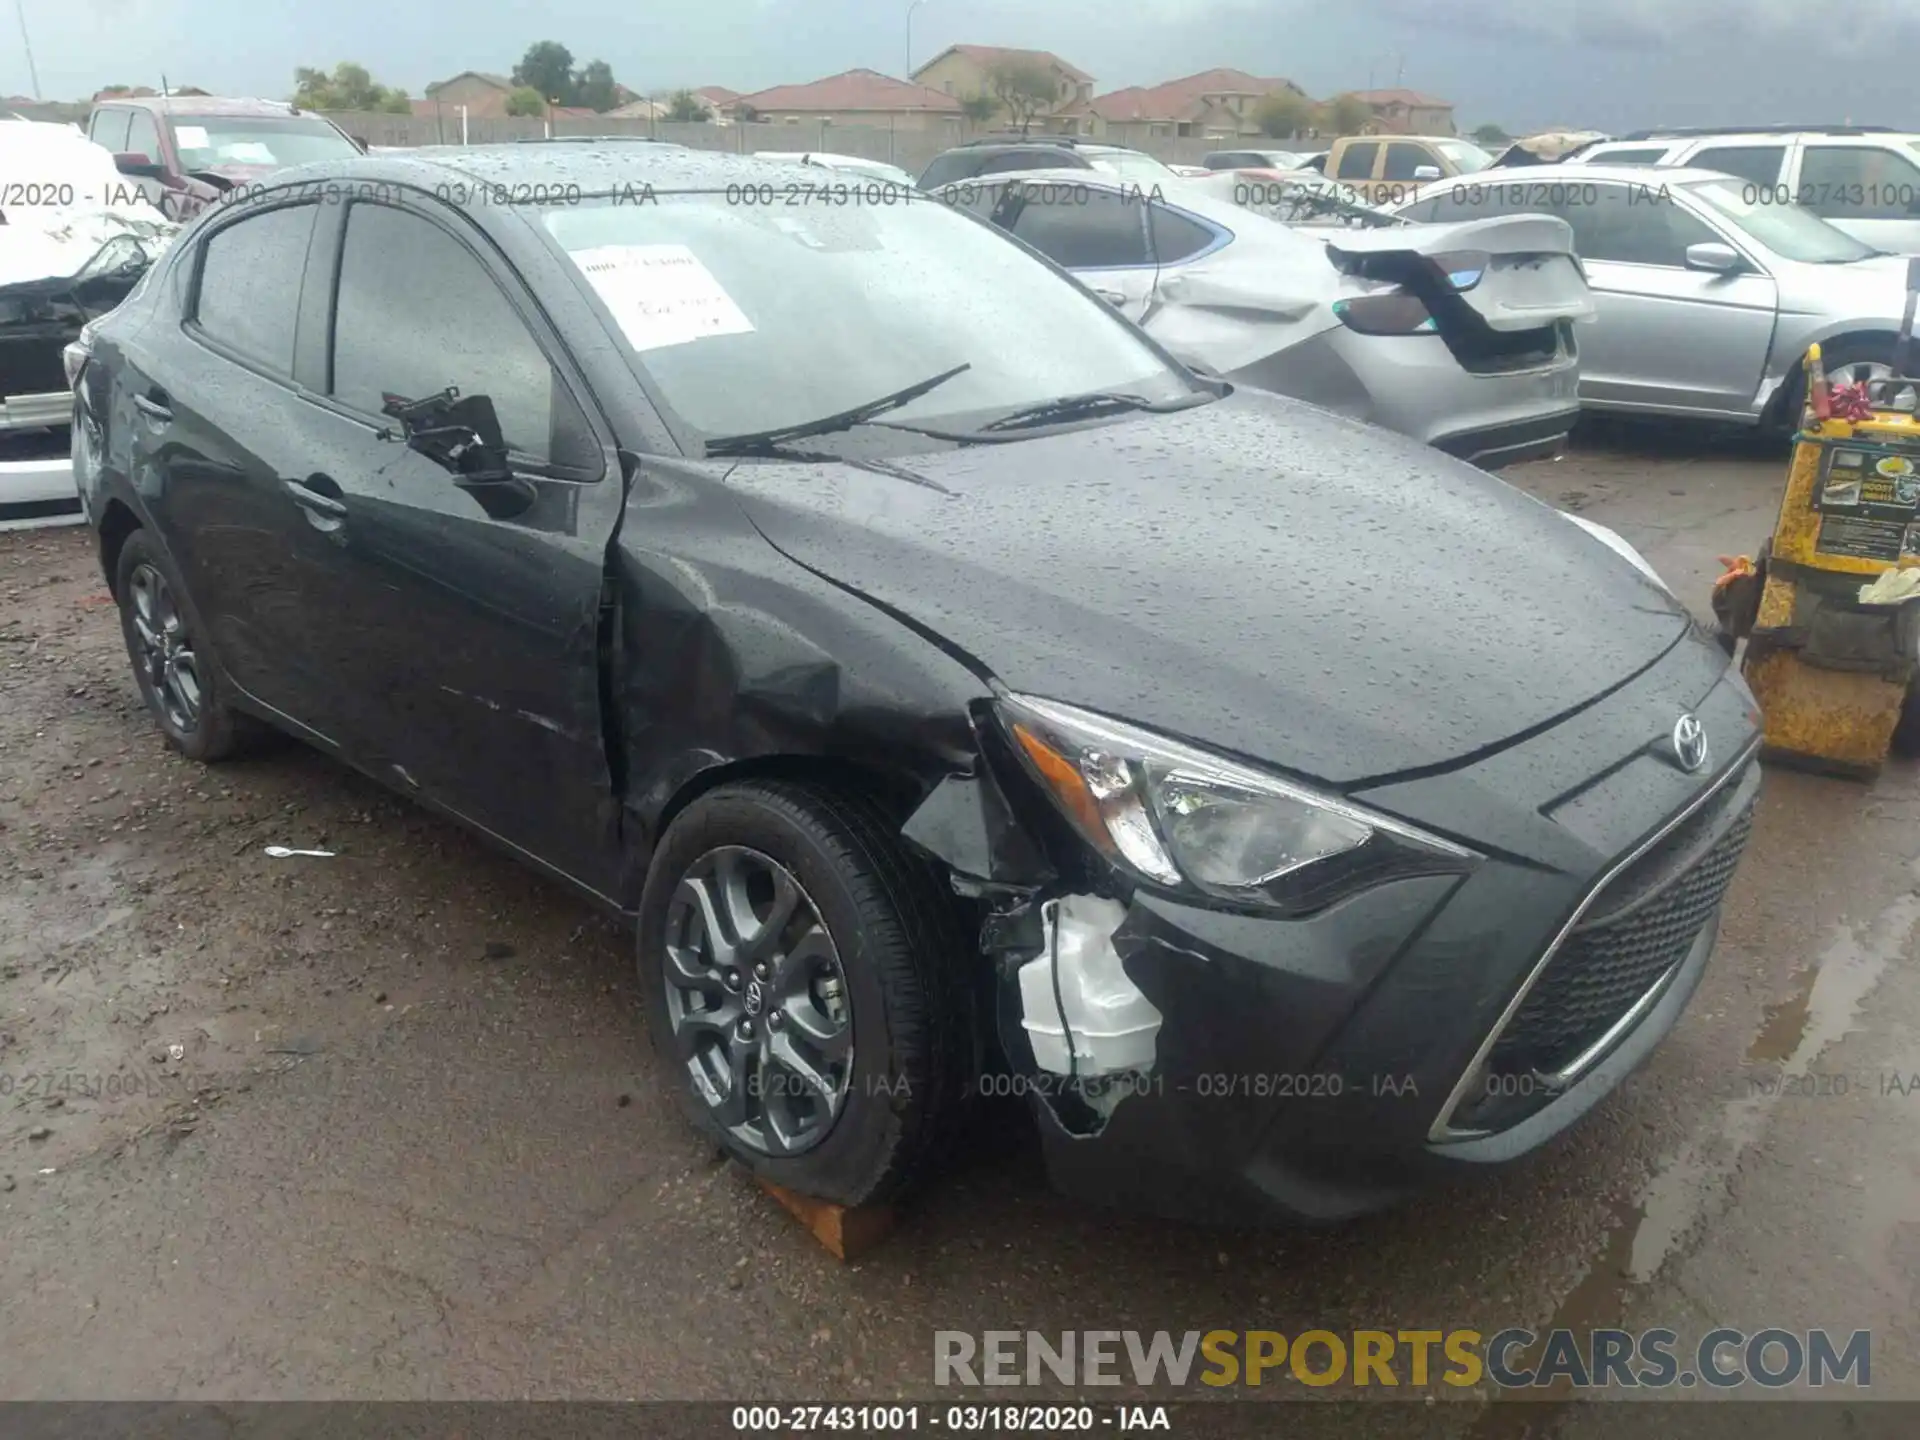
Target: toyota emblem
{"x":1690,"y":743}
{"x":756,"y":997}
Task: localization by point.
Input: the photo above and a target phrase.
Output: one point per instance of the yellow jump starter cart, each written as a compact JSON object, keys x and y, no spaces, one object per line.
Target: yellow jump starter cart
{"x":1834,"y":644}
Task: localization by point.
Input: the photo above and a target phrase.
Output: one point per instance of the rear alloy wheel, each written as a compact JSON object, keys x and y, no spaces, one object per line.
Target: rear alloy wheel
{"x":805,"y":980}
{"x":170,"y":664}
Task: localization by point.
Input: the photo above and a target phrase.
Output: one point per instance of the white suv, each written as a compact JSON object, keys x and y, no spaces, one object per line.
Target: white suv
{"x":1862,"y":179}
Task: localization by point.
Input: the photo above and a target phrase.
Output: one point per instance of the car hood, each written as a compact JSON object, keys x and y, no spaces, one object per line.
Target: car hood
{"x":1256,"y":574}
{"x":1874,"y":289}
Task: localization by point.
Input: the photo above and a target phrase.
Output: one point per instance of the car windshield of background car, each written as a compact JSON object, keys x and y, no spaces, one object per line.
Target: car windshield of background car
{"x":206,"y":142}
{"x":1466,"y":158}
{"x":1790,"y":231}
{"x":748,"y":319}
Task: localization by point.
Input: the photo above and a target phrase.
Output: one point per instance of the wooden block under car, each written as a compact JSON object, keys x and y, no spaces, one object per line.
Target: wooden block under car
{"x":847,"y":1233}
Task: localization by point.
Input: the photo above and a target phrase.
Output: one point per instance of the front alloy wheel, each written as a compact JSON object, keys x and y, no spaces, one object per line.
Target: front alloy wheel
{"x":757,"y":1001}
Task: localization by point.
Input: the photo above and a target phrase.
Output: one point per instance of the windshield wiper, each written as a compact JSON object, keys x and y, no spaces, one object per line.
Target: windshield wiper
{"x":1082,"y":407}
{"x":757,"y":440}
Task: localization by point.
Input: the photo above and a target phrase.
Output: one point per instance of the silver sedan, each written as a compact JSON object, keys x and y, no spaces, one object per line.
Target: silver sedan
{"x":1461,"y":336}
{"x":1707,"y":298}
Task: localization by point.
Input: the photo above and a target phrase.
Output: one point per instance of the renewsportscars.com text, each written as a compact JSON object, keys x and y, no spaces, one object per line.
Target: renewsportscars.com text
{"x":1513,"y":1359}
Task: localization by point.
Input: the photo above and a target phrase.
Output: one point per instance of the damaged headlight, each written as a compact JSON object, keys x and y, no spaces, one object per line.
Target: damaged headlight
{"x":1183,"y":819}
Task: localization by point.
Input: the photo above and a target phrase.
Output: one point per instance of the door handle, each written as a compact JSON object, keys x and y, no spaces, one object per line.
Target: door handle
{"x":152,"y":409}
{"x":312,"y":494}
{"x":1112,"y":297}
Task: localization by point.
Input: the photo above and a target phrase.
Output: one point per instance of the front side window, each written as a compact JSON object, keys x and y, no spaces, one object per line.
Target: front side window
{"x":746,"y":319}
{"x":143,"y":137}
{"x":207,"y":142}
{"x":1791,"y":231}
{"x":1630,"y":225}
{"x":110,"y":130}
{"x":1467,"y":157}
{"x":1404,"y":159}
{"x":249,"y":289}
{"x":1859,"y":182}
{"x":417,"y":311}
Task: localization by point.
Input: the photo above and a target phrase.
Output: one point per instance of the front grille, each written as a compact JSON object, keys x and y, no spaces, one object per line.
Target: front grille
{"x":1636,"y":931}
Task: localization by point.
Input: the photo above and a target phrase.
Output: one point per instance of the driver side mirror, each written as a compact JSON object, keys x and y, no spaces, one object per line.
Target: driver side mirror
{"x":1424,"y":173}
{"x":461,"y":434}
{"x":1715,"y":258}
{"x":138,"y":165}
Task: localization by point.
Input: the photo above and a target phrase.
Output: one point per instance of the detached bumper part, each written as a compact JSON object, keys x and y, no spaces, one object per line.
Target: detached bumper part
{"x":1082,"y":1015}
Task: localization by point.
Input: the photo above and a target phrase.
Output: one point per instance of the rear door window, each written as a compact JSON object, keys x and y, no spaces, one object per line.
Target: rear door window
{"x":1759,"y":164}
{"x":1356,"y":161}
{"x":248,"y":295}
{"x":1084,"y":229}
{"x":1859,"y":182}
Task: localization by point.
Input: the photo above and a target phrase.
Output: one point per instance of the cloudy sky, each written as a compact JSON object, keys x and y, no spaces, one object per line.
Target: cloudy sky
{"x":1611,"y":64}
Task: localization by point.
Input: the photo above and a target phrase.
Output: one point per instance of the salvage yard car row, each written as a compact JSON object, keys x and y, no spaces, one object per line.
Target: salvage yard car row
{"x":946,"y":679}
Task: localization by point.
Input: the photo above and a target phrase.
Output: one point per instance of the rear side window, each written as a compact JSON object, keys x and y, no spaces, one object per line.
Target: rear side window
{"x":945,"y":169}
{"x":1859,"y":182}
{"x":416,"y":312}
{"x":1085,"y":230}
{"x":249,"y":291}
{"x":1176,"y":237}
{"x":1010,"y":160}
{"x":110,"y":130}
{"x":1646,"y":155}
{"x":1759,"y":164}
{"x":1356,"y":162}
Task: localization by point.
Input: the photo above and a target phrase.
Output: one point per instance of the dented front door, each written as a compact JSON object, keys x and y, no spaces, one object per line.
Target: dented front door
{"x":465,"y":622}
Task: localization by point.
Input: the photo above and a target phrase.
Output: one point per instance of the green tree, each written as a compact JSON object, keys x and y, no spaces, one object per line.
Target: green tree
{"x":547,"y":68}
{"x":594,"y":87}
{"x":979,"y":109}
{"x":1283,"y":113}
{"x":525,"y":100}
{"x":1491,"y":135}
{"x":349,"y":87}
{"x":1025,"y":89}
{"x":687,"y":108}
{"x":1345,"y":115}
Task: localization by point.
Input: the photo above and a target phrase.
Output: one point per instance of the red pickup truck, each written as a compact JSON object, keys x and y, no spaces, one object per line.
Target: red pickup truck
{"x":185,"y":151}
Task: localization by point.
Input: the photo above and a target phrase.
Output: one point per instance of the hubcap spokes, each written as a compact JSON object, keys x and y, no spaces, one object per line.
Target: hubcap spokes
{"x":1892,"y":398}
{"x":757,"y":1000}
{"x":166,"y":659}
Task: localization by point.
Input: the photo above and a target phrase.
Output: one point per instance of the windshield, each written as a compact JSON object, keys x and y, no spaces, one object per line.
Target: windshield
{"x":208,"y":141}
{"x":1790,"y":231}
{"x":748,"y":319}
{"x":1466,"y":157}
{"x":1131,"y":165}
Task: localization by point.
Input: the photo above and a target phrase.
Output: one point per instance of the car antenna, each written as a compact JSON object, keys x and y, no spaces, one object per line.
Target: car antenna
{"x":165,"y":93}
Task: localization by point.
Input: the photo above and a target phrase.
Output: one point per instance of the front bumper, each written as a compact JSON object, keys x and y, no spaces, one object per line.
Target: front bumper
{"x":1314,"y":1070}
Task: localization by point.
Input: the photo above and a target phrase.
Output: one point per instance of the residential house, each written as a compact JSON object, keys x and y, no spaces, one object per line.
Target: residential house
{"x":641,"y":109}
{"x":857,"y":97}
{"x":1407,"y":112}
{"x":482,"y":94}
{"x":1220,"y":104}
{"x":964,"y":71}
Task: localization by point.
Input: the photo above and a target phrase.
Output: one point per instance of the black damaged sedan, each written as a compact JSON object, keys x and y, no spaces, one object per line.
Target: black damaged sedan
{"x":961,"y":695}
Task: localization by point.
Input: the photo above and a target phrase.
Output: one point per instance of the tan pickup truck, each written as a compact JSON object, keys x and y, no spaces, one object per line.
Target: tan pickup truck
{"x":1387,"y":169}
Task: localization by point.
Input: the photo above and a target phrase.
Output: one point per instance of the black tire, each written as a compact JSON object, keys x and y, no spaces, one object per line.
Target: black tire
{"x":1906,"y":732}
{"x":213,"y":731}
{"x":914,"y":1045}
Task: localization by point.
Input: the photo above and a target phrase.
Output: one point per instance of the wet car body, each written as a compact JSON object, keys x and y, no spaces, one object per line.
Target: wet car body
{"x":658,"y":621}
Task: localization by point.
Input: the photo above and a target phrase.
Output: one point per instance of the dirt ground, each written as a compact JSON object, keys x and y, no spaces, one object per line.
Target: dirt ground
{"x":385,"y":1124}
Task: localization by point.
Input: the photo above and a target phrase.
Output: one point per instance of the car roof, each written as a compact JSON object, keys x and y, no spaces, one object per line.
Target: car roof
{"x":1775,"y":132}
{"x":610,"y":169}
{"x":203,"y":105}
{"x":1585,"y":173}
